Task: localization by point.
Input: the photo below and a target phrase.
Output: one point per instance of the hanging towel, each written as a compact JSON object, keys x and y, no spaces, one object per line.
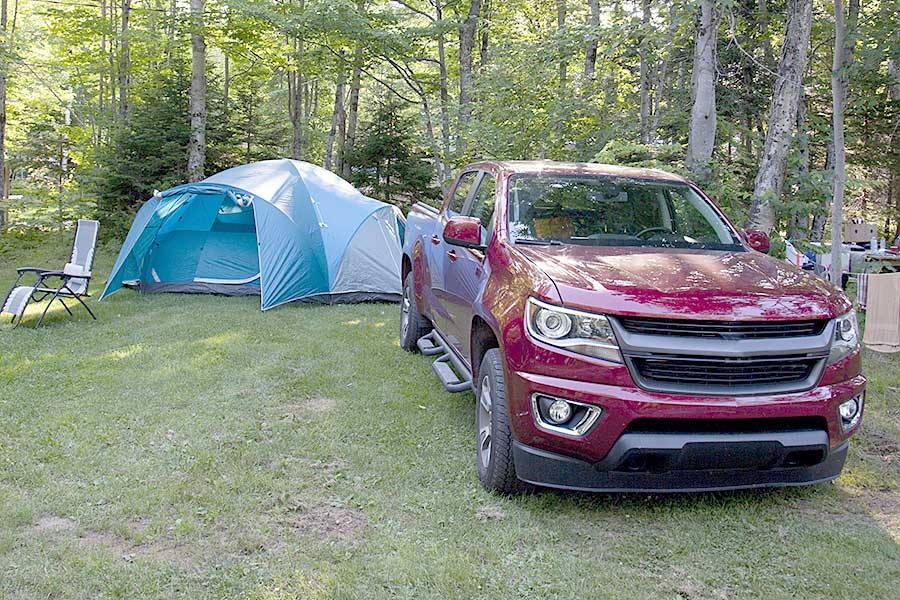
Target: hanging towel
{"x":862,"y":290}
{"x":883,"y":313}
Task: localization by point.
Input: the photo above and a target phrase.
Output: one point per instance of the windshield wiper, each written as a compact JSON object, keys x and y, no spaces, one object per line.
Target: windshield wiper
{"x":534,"y":242}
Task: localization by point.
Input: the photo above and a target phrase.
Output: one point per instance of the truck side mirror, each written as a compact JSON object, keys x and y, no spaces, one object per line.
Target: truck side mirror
{"x":464,"y":232}
{"x":758,"y":240}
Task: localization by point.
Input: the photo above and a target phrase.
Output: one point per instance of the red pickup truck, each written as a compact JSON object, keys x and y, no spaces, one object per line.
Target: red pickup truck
{"x":621,"y":334}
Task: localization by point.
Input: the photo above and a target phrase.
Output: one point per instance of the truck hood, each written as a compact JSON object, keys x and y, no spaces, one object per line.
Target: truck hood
{"x":690,"y":284}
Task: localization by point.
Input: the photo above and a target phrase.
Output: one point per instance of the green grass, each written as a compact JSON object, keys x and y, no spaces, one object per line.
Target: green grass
{"x":193,"y":447}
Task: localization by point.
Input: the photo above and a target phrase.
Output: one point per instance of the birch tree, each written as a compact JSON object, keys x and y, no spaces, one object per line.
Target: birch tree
{"x":466,"y":80}
{"x":782,"y":115}
{"x":197,"y":142}
{"x":702,"y":132}
{"x":840,"y":175}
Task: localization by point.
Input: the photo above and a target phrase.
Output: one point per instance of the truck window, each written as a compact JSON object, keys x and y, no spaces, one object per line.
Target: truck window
{"x":458,"y":200}
{"x":483,"y":204}
{"x":615,"y":211}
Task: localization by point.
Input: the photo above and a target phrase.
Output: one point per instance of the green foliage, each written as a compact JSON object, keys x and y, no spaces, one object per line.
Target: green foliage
{"x":387,"y":165}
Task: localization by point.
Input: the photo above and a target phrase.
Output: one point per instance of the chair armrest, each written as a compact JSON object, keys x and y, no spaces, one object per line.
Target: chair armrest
{"x":22,"y":270}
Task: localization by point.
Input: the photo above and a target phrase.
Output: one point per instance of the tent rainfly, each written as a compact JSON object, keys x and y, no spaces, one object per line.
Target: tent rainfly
{"x":284,"y":229}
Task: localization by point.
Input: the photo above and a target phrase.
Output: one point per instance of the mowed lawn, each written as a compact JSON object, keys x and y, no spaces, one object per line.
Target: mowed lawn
{"x":193,"y":447}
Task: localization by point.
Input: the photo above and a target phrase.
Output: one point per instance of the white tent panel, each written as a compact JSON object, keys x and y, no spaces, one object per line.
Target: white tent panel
{"x":372,"y":260}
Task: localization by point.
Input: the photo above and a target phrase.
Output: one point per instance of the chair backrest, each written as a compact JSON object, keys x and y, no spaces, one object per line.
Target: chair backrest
{"x":82,"y":259}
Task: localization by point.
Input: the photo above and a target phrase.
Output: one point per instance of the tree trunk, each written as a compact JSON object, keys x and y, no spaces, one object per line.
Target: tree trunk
{"x":661,"y":80}
{"x":590,"y":53}
{"x":197,"y":143}
{"x":561,"y":68}
{"x":466,"y":81}
{"x":782,"y":115}
{"x":645,"y":72}
{"x":124,"y":62}
{"x":335,"y":117}
{"x":297,"y":99}
{"x":485,"y":35}
{"x":702,"y":133}
{"x":352,"y":112}
{"x":838,"y":91}
{"x":445,"y":94}
{"x":4,"y":193}
{"x":111,"y":57}
{"x":894,"y":179}
{"x":799,"y":222}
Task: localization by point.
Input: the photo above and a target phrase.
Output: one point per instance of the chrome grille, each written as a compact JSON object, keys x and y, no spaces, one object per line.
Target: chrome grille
{"x":700,"y":372}
{"x":722,"y":329}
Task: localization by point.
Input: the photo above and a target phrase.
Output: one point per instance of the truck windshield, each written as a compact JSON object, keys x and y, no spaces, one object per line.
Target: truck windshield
{"x":614,"y":211}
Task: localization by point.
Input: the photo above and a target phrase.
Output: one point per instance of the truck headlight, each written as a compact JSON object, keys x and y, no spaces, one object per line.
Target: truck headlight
{"x":846,"y":337}
{"x":575,"y":330}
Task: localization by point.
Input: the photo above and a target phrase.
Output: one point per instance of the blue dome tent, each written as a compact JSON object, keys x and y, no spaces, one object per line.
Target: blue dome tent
{"x":284,"y":229}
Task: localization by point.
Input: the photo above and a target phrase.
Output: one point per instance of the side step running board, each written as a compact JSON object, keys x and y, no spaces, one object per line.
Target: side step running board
{"x":453,"y":374}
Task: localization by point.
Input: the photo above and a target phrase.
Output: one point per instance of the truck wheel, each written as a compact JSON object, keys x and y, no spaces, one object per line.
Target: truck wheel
{"x":412,"y":324}
{"x":493,"y":437}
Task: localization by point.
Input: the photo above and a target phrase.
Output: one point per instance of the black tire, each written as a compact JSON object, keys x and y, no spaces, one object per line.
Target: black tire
{"x":416,"y":325}
{"x":499,"y":474}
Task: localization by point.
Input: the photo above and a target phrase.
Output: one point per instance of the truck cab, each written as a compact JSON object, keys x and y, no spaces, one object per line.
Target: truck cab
{"x":620,"y":333}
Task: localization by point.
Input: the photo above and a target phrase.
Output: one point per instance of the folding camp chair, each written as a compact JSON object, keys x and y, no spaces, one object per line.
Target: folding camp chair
{"x":71,"y":282}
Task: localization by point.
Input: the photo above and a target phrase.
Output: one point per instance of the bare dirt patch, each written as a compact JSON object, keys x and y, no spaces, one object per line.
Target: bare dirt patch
{"x":53,"y":523}
{"x":328,"y":521}
{"x":489,"y":513}
{"x":309,"y":407}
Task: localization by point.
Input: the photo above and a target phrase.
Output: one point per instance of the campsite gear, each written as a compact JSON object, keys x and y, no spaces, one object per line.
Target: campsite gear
{"x":284,"y":229}
{"x":883,"y":312}
{"x":862,"y":290}
{"x":71,"y":282}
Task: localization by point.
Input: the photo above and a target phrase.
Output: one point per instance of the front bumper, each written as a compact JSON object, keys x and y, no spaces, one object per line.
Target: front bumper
{"x":555,"y":470}
{"x":730,"y":443}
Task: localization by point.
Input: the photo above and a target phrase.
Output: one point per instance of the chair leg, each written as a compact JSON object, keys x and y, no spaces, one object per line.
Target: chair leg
{"x":86,"y":307}
{"x":46,"y":308}
{"x":65,"y":307}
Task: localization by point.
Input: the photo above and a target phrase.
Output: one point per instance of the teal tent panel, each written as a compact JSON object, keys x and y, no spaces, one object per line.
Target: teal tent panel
{"x":340,"y":210}
{"x":290,"y":257}
{"x":174,"y":257}
{"x":127,"y":264}
{"x":229,"y":256}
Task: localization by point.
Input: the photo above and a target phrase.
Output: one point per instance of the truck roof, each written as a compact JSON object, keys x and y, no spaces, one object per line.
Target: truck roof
{"x":574,"y":168}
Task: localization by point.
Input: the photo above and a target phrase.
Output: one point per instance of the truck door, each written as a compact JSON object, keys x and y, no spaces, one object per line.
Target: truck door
{"x":464,"y":268}
{"x":437,"y":252}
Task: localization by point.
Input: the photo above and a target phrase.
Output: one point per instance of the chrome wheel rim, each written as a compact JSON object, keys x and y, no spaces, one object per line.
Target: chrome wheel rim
{"x":485,"y":402}
{"x":404,"y":313}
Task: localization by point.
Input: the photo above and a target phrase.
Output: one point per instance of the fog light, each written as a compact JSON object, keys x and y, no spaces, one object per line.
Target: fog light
{"x":566,"y":417}
{"x":559,"y":412}
{"x":850,"y":412}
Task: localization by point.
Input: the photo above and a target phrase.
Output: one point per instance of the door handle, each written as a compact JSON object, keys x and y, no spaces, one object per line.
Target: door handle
{"x":435,"y":240}
{"x":451,"y":254}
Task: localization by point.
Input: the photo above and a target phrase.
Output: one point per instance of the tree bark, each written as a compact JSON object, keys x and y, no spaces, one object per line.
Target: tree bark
{"x":485,"y":35}
{"x":197,"y":143}
{"x":838,"y":92}
{"x":352,"y":112}
{"x":561,"y":68}
{"x":466,"y":80}
{"x":445,"y":94}
{"x":297,"y":113}
{"x":702,"y":133}
{"x":4,"y":193}
{"x":335,"y":117}
{"x":124,"y":62}
{"x":645,"y":72}
{"x":590,"y":53}
{"x":662,"y":79}
{"x":782,"y":115}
